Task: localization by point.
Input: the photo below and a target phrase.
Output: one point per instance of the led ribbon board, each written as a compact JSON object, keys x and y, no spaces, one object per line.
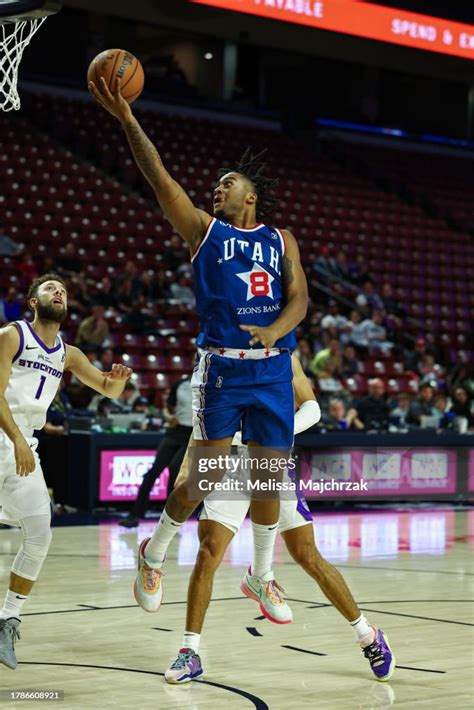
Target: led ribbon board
{"x":352,"y":17}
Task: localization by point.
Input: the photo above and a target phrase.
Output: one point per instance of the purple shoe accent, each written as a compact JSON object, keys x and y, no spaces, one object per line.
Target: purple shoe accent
{"x":380,"y":656}
{"x":189,"y":663}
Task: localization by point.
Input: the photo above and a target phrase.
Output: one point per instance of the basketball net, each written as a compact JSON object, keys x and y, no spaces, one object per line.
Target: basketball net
{"x":14,"y":37}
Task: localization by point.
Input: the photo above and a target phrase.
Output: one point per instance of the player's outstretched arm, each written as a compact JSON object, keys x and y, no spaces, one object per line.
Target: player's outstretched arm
{"x":296,"y":298}
{"x":190,"y":222}
{"x":110,"y":384}
{"x":9,"y":344}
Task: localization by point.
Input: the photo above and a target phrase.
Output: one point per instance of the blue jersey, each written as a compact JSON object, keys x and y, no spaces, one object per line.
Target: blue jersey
{"x":238,"y":282}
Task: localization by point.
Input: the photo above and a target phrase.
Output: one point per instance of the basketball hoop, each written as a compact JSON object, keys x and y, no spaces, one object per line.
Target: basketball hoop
{"x":19,"y":21}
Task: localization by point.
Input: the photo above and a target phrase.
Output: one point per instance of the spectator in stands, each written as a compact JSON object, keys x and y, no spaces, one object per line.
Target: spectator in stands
{"x":28,"y":269}
{"x":398,"y":415}
{"x":350,"y":362}
{"x":147,"y":286}
{"x":94,"y":329}
{"x":373,"y":411}
{"x":369,"y":300}
{"x":92,"y":354}
{"x":343,"y":270}
{"x":462,"y":376}
{"x":359,"y":271}
{"x":175,"y":254}
{"x":106,"y":359}
{"x":376,"y":333}
{"x":462,"y":409}
{"x":324,"y":265}
{"x":124,"y":403}
{"x":333,"y":322}
{"x":68,"y":263}
{"x":181,"y":292}
{"x":56,"y":417}
{"x":79,"y":300}
{"x":305,"y":355}
{"x":161,"y":285}
{"x":413,"y":358}
{"x":429,"y":370}
{"x":440,"y":408}
{"x":139,"y":319}
{"x":422,"y":406}
{"x":327,"y":363}
{"x":105,"y":295}
{"x":316,"y":337}
{"x":8,"y":247}
{"x":129,"y":273}
{"x":338,"y":419}
{"x":126,"y":296}
{"x":391,"y":305}
{"x":355,"y":334}
{"x":11,"y":307}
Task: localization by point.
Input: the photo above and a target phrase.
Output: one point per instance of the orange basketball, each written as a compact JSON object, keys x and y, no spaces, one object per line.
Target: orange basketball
{"x":115,"y":64}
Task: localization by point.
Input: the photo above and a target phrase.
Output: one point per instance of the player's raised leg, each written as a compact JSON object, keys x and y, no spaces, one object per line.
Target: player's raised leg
{"x":148,"y":588}
{"x":374,"y":643}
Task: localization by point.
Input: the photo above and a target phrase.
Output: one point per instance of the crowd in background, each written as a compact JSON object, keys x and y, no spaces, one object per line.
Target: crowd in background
{"x":335,"y":343}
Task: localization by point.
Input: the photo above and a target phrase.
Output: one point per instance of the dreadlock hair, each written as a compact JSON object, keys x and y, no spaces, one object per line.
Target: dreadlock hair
{"x":253,"y":168}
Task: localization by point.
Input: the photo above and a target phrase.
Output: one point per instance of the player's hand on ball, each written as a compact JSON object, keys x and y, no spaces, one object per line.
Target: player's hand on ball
{"x":24,"y":458}
{"x":114,"y":102}
{"x":266,"y":336}
{"x":119,"y":372}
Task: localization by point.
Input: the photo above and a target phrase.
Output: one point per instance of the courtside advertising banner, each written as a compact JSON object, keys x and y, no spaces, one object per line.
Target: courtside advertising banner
{"x":121,"y":473}
{"x":358,"y":474}
{"x":362,"y":19}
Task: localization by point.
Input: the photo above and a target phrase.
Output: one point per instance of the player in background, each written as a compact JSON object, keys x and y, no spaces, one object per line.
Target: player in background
{"x":33,"y":358}
{"x":221,"y":519}
{"x":251,"y":293}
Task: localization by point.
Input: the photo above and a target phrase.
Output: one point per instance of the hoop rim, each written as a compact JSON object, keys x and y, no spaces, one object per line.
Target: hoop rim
{"x":13,"y":11}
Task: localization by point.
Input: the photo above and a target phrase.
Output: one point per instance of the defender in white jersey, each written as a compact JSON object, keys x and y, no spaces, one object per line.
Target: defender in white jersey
{"x":33,"y":358}
{"x":221,"y":519}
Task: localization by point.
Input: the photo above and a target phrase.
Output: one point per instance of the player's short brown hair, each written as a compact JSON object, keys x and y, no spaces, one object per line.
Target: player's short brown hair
{"x":33,"y":290}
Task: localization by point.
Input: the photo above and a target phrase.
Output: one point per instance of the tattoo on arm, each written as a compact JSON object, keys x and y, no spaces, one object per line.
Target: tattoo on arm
{"x":287,"y":270}
{"x":145,"y":153}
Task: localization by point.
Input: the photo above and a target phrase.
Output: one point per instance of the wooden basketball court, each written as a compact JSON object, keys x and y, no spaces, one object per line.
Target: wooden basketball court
{"x":411,"y":572}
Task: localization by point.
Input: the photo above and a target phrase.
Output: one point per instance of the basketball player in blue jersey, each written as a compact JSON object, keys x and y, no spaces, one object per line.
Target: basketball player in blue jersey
{"x":251,"y":293}
{"x":33,"y":358}
{"x":220,"y":519}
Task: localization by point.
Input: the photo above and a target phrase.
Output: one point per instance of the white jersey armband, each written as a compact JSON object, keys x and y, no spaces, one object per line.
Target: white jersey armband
{"x":237,"y":440}
{"x":307,"y":415}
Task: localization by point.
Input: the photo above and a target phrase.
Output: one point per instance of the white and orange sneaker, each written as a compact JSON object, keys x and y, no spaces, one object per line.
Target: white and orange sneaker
{"x":268,"y":594}
{"x":148,"y":589}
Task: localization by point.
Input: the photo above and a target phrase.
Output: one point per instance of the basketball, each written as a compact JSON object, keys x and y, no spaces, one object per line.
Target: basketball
{"x":115,"y":64}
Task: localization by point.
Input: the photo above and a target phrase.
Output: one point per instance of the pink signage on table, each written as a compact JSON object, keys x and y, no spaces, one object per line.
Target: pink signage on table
{"x":470,"y":476}
{"x":332,"y":473}
{"x":121,"y":473}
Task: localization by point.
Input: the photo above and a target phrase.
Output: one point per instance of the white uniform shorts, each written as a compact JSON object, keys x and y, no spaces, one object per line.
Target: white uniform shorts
{"x":21,"y":496}
{"x":231,"y":513}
